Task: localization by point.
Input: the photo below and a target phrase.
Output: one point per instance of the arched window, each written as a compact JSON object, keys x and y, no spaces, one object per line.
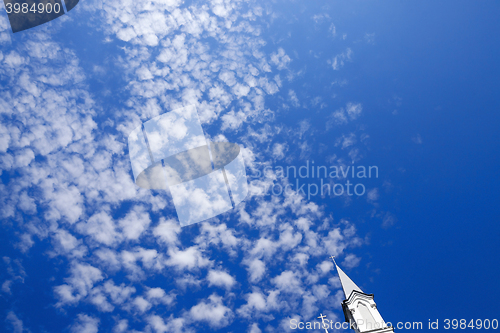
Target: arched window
{"x":369,"y":322}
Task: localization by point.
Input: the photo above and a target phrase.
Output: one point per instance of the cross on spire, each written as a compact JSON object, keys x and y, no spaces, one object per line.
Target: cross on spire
{"x":333,"y":258}
{"x":325,"y":326}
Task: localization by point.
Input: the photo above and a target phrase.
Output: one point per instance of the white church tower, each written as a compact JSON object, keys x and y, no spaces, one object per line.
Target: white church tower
{"x":359,"y":308}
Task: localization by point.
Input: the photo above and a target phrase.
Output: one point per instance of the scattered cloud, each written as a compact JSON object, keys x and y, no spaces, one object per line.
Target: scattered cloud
{"x":213,"y":312}
{"x":388,"y":220}
{"x":15,"y":323}
{"x":70,"y":189}
{"x":417,"y":139}
{"x":85,"y":324}
{"x":350,"y":261}
{"x":351,"y":112}
{"x":220,"y":279}
{"x":340,"y":59}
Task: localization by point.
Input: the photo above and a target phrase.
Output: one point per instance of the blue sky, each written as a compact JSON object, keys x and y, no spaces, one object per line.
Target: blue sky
{"x":408,"y":87}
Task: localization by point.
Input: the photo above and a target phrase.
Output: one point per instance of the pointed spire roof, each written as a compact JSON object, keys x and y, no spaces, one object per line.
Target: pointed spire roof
{"x":347,"y":284}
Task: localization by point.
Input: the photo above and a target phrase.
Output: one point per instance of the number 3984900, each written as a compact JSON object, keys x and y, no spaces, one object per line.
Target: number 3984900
{"x":34,"y":8}
{"x":472,"y":324}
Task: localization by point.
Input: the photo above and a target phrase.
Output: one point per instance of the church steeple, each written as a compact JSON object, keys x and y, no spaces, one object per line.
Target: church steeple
{"x":347,"y":285}
{"x":359,"y":308}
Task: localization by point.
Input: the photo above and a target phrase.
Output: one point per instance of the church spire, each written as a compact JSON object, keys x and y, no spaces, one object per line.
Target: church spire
{"x":347,"y":284}
{"x":359,"y":308}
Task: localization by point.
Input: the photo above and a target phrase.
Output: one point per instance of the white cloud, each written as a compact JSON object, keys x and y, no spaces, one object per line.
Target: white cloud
{"x":158,"y":295}
{"x":228,"y":78}
{"x":258,"y":303}
{"x":118,"y":294}
{"x":353,"y":110}
{"x":293,"y":98}
{"x":321,"y":291}
{"x":333,"y":30}
{"x":218,"y":235}
{"x":85,"y":324}
{"x":220,"y":279}
{"x":23,"y":158}
{"x":339,"y":60}
{"x":213,"y":312}
{"x":233,"y":120}
{"x":6,"y":286}
{"x":255,"y":301}
{"x":341,"y":116}
{"x":325,"y":266}
{"x":280,"y":59}
{"x":241,"y":90}
{"x":288,"y":281}
{"x":346,"y":141}
{"x":254,"y":328}
{"x":16,"y":273}
{"x":167,"y":231}
{"x":134,"y":223}
{"x":388,"y":220}
{"x":309,"y":305}
{"x":16,"y":323}
{"x":372,"y":195}
{"x":279,"y":150}
{"x":141,"y":304}
{"x":67,"y":244}
{"x":288,"y":237}
{"x":173,"y":325}
{"x":101,"y":228}
{"x":121,"y":326}
{"x":100,"y":301}
{"x":82,"y":279}
{"x":66,"y":202}
{"x":417,"y":139}
{"x":13,"y":59}
{"x":191,"y":258}
{"x":350,"y":261}
{"x":264,"y":248}
{"x":150,"y":259}
{"x":256,"y":270}
{"x":108,"y":258}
